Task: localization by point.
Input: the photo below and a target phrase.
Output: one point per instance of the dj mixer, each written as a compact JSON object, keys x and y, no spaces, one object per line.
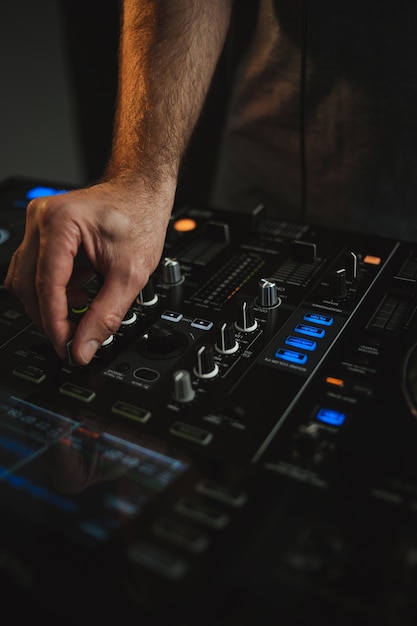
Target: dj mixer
{"x":243,"y":450}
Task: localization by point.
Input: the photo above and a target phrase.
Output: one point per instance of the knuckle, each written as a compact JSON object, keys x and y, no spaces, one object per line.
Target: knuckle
{"x":109,"y":324}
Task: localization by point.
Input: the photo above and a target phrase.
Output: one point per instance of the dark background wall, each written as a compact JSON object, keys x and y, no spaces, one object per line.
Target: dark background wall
{"x":38,"y":135}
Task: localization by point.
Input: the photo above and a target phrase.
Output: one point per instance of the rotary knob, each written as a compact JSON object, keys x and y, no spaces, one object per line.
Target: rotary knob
{"x":352,"y":264}
{"x":268,"y":294}
{"x":171,"y":272}
{"x":147,"y":297}
{"x":337,"y":282}
{"x":226,"y":341}
{"x":183,"y":389}
{"x":206,"y":366}
{"x":129,"y":318}
{"x":245,"y":317}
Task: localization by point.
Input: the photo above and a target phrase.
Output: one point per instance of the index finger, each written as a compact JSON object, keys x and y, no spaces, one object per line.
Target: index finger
{"x":105,"y":313}
{"x":54,"y":269}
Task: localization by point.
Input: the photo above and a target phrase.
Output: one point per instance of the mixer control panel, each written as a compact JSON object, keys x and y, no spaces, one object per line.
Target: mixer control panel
{"x":251,"y":424}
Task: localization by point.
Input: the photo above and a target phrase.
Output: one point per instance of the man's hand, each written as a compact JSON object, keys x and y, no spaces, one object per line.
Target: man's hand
{"x":168,"y":55}
{"x":122,"y":229}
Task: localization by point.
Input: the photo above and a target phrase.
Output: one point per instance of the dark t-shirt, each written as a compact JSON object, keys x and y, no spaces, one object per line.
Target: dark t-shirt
{"x":336,"y":144}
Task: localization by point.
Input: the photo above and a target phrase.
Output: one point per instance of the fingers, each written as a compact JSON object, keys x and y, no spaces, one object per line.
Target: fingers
{"x":21,"y":277}
{"x":105,"y":314}
{"x":120,"y":241}
{"x":41,"y":268}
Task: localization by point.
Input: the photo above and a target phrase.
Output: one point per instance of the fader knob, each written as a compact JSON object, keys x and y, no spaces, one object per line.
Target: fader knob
{"x":245,"y":316}
{"x":171,"y":272}
{"x":183,"y":389}
{"x":226,"y":341}
{"x":206,"y":366}
{"x":268,"y":293}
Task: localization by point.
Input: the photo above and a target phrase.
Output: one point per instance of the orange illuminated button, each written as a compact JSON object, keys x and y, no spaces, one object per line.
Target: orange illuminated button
{"x":372,"y":260}
{"x":185,"y":225}
{"x":337,"y":382}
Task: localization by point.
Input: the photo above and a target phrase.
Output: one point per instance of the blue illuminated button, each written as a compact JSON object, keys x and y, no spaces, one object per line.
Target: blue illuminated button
{"x":329,"y":416}
{"x":311,"y":331}
{"x":318,"y":318}
{"x":291,"y":356}
{"x":300,"y":342}
{"x":40,"y":191}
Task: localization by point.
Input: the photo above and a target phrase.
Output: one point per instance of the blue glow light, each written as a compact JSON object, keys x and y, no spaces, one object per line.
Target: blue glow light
{"x":329,"y":416}
{"x":40,"y":191}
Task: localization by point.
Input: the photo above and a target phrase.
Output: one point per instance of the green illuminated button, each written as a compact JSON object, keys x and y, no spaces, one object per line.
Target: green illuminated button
{"x":131,"y":411}
{"x":79,"y":393}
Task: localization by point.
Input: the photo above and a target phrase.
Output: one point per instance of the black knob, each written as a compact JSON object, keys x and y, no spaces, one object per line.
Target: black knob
{"x":183,"y":389}
{"x":304,"y":251}
{"x":147,"y":297}
{"x":337,"y":282}
{"x":171,"y":272}
{"x":129,"y":318}
{"x":159,"y":342}
{"x":352,"y":264}
{"x":226,"y":342}
{"x":268,"y":293}
{"x":245,"y":316}
{"x":206,"y":366}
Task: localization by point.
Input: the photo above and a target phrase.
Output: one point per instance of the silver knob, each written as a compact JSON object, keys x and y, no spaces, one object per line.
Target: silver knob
{"x":171,"y":272}
{"x":268,"y":293}
{"x":183,"y":390}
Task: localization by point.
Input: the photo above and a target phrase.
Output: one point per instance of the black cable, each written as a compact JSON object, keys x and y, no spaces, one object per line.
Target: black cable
{"x":303,"y":156}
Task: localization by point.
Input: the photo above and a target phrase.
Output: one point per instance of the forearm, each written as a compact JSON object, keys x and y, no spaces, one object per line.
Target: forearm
{"x":168,"y":54}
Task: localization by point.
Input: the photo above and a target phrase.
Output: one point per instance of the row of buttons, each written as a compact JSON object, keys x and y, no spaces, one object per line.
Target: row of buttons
{"x":174,"y":316}
{"x":178,"y":530}
{"x":135,"y":413}
{"x":318,"y":332}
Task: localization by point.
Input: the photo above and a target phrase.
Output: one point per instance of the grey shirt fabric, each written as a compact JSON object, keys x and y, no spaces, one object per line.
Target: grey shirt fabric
{"x":356,"y":105}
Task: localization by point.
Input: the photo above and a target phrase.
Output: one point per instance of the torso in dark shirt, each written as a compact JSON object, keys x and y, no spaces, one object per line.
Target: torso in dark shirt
{"x":356,"y":103}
